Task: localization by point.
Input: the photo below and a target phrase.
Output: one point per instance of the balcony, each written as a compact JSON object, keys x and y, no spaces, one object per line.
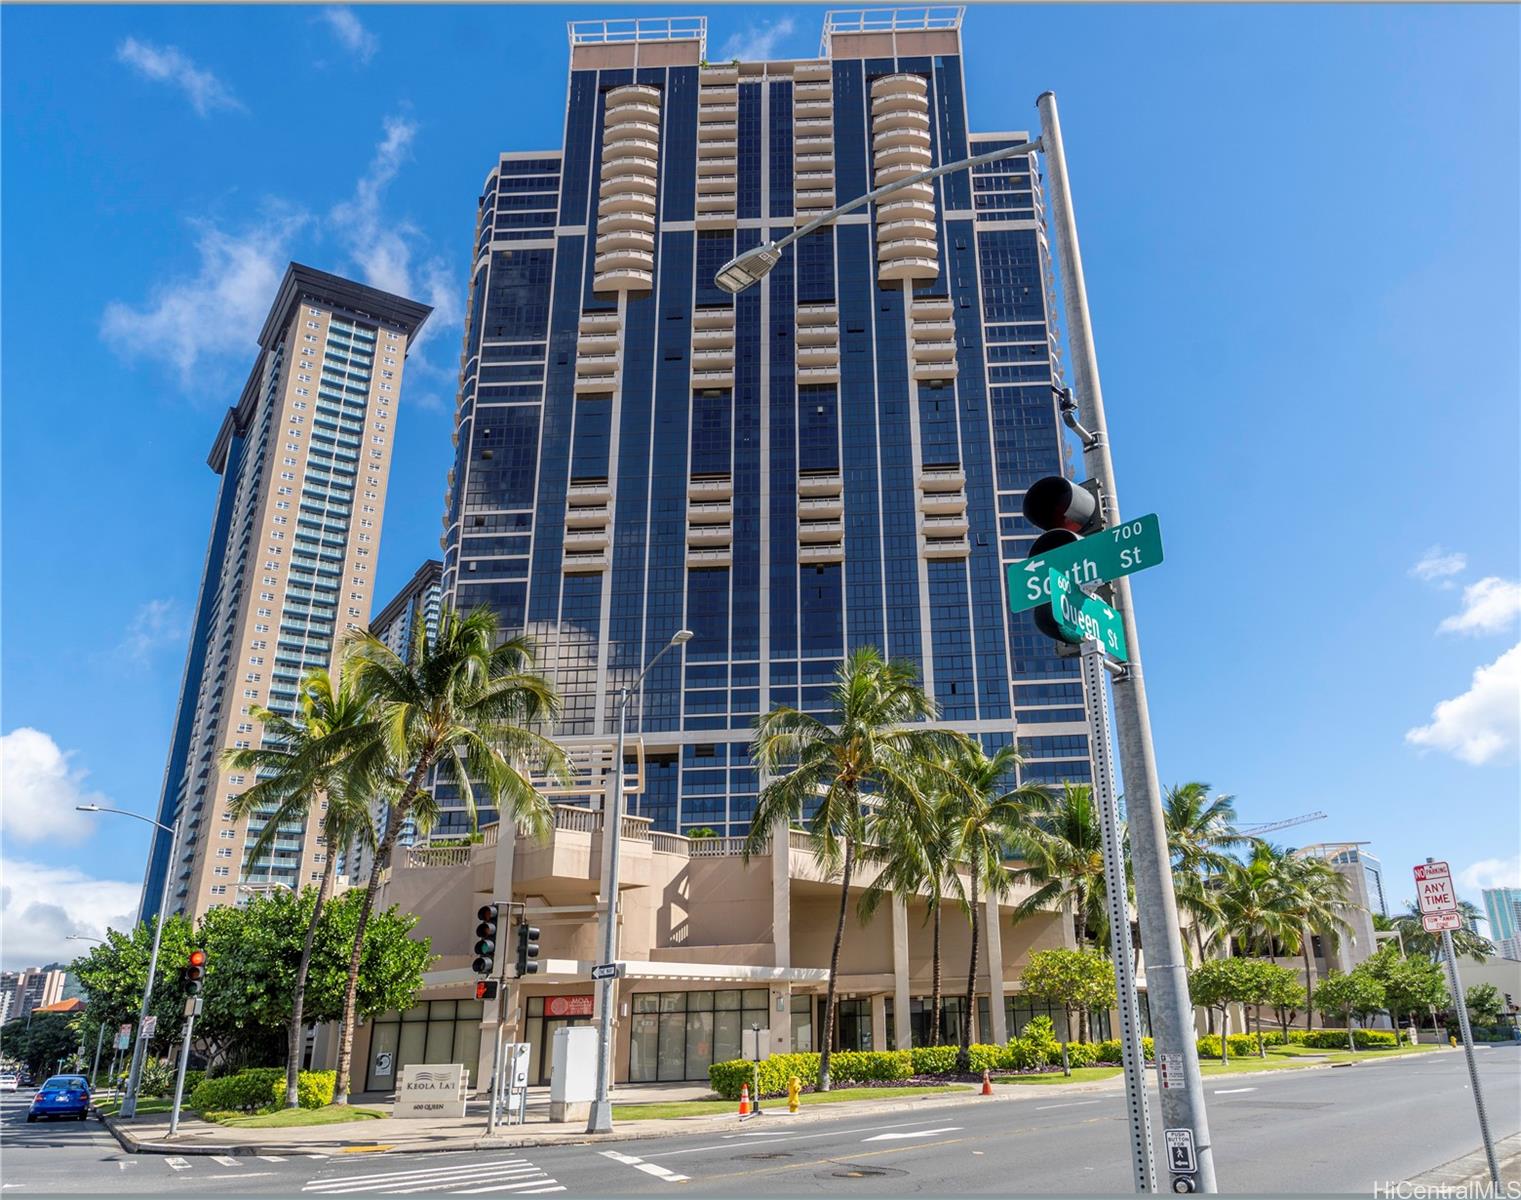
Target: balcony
{"x":710,"y":535}
{"x":596,"y":384}
{"x":718,"y":130}
{"x":618,"y":260}
{"x":582,"y":562}
{"x":899,"y":162}
{"x":814,"y":160}
{"x":820,"y":483}
{"x":717,"y":148}
{"x":626,"y":239}
{"x":623,"y":114}
{"x":812,"y":71}
{"x":814,"y":198}
{"x":716,"y":219}
{"x":596,"y":364}
{"x":622,"y":202}
{"x":720,"y":317}
{"x":917,"y":209}
{"x":806,"y":128}
{"x":942,"y":503}
{"x":948,"y":525}
{"x":933,"y":328}
{"x":803,"y":146}
{"x":632,"y":131}
{"x":713,"y":76}
{"x":717,"y":110}
{"x":630,"y":180}
{"x":578,"y":540}
{"x":715,"y":378}
{"x":725,"y":168}
{"x":804,"y":109}
{"x":630,"y":148}
{"x":590,"y":516}
{"x":710,"y":556}
{"x":899,"y":101}
{"x":710,"y":510}
{"x":820,"y":507}
{"x":608,"y":222}
{"x":946,"y":547}
{"x":571,"y":854}
{"x":902,"y":136}
{"x":903,"y":118}
{"x":717,"y":336}
{"x":716,"y":184}
{"x":909,"y":268}
{"x":816,"y":375}
{"x":825,"y":354}
{"x":589,"y":492}
{"x":942,"y":479}
{"x":816,"y":314}
{"x":907,"y":248}
{"x":935,"y":370}
{"x":812,"y":181}
{"x":932,"y":308}
{"x":625,"y":279}
{"x":595,"y":345}
{"x":710,"y":358}
{"x":720,"y":487}
{"x":934,"y":351}
{"x":817,"y":335}
{"x":821,"y":531}
{"x":918,"y":227}
{"x":711,"y":202}
{"x":815,"y":552}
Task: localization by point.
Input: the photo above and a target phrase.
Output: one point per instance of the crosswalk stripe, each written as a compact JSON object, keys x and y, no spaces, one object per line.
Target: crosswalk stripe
{"x":225,"y":1160}
{"x":454,"y":1181}
{"x":271,"y":1158}
{"x":648,"y":1168}
{"x":429,"y":1172}
{"x":177,"y":1164}
{"x":536,"y":1191}
{"x":510,"y":1187}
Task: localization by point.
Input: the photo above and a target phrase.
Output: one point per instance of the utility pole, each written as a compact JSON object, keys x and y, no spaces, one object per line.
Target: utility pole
{"x":1172,"y":1017}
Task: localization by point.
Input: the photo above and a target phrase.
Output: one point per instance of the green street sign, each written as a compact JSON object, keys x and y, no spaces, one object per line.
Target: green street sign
{"x":1123,"y":550}
{"x":1081,"y":617}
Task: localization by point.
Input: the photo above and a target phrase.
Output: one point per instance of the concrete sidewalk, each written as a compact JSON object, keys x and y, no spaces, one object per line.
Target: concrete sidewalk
{"x":148,"y":1134}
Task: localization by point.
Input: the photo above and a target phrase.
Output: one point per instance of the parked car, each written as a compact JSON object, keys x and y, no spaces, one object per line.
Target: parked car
{"x":9,"y":1082}
{"x":61,"y":1096}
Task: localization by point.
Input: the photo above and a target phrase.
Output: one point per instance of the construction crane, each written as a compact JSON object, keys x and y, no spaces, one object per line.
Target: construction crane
{"x":1258,"y":828}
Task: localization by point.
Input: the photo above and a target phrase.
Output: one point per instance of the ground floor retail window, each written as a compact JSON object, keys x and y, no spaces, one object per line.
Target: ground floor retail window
{"x":433,"y":1032}
{"x":679,"y":1035}
{"x":802,"y":1024}
{"x":920,"y":1021}
{"x":1018,"y":1013}
{"x":540,"y":1027}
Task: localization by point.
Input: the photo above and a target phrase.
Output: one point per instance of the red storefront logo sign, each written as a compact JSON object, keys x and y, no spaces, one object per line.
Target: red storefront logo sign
{"x":568,"y":1006}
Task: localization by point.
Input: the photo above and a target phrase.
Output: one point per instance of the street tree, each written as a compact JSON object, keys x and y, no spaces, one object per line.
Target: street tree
{"x":1411,"y":985}
{"x":1061,"y":857}
{"x":1467,"y":943}
{"x":1286,"y":994}
{"x":114,"y":973}
{"x":40,"y":1042}
{"x":1219,"y":983}
{"x":825,"y":775}
{"x":1077,"y":981}
{"x":465,"y":709}
{"x":1484,"y":1004}
{"x":1357,"y":995}
{"x":302,"y":780}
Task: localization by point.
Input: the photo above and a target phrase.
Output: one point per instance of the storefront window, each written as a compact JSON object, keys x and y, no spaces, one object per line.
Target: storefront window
{"x":433,"y":1032}
{"x":679,"y":1035}
{"x":802,"y":1024}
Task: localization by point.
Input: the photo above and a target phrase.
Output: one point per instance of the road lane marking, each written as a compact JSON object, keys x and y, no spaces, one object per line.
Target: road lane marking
{"x":918,"y":1133}
{"x":226,"y":1160}
{"x":536,"y":1191}
{"x":177,"y":1164}
{"x":423,"y":1173}
{"x":1069,"y":1104}
{"x":506,"y":1187}
{"x":506,"y":1174}
{"x":787,"y":1136}
{"x":271,"y":1158}
{"x":648,"y":1168}
{"x":1231,"y":1091}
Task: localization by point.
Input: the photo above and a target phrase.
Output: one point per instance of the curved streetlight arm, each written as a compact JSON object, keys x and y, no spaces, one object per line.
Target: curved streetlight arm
{"x":122,"y":812}
{"x":631,"y":688}
{"x":876,"y":193}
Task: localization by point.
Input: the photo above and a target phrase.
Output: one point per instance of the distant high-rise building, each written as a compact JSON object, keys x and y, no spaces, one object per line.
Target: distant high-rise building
{"x":8,"y":982}
{"x":37,"y":986}
{"x":1502,"y":907}
{"x":304,"y":458}
{"x":833,"y":459}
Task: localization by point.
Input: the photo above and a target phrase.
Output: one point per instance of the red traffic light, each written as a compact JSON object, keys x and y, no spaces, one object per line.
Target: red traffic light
{"x":198,"y":958}
{"x":486,"y":912}
{"x":1057,"y":503}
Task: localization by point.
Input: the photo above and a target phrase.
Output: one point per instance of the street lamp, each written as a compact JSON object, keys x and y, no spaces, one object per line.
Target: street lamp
{"x":140,"y":1044}
{"x":753,"y":265}
{"x":612,"y":831}
{"x":1168,"y":1001}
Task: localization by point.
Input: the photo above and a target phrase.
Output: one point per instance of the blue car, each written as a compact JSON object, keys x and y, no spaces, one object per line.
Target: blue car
{"x":62,"y":1096}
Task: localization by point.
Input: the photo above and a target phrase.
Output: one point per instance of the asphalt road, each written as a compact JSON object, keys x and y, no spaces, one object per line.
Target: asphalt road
{"x":1310,"y":1132}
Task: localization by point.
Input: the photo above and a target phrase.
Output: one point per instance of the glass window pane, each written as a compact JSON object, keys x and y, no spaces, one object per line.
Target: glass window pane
{"x":440,"y":1044}
{"x":418,"y":1012}
{"x":414,"y":1036}
{"x":699,"y":1044}
{"x":441,"y":1010}
{"x":644,"y":1042}
{"x":647,"y":1002}
{"x":383,"y":1041}
{"x":673,"y":1002}
{"x":726,"y":1000}
{"x":467,"y":1048}
{"x":699,"y":1001}
{"x":755,"y":998}
{"x":673,"y":1046}
{"x":470,"y":1010}
{"x":536,"y":1006}
{"x":726,"y":1037}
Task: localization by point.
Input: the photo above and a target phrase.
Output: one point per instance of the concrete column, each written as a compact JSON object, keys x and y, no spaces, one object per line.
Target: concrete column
{"x":879,"y":1020}
{"x":781,"y":894}
{"x":903,"y":1027}
{"x":781,"y":1019}
{"x":993,"y":938}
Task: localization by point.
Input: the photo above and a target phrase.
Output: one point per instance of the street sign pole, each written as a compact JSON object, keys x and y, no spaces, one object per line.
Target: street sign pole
{"x":179,"y":1080}
{"x":1104,"y":798}
{"x":1433,"y":887}
{"x":1167,"y":999}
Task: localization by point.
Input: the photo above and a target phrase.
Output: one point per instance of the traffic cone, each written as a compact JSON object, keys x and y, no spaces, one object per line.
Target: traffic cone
{"x":987,"y":1083}
{"x":744,"y":1099}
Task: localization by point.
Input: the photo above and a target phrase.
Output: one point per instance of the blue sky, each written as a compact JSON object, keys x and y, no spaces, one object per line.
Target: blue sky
{"x":1300,"y":227}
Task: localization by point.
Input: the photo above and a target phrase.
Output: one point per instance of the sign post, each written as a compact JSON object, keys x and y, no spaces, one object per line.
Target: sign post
{"x":1094,"y":688}
{"x":1434,"y":895}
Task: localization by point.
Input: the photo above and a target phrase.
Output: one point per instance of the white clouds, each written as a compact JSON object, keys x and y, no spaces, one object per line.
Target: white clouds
{"x":1491,"y":873}
{"x":1482,"y":724}
{"x":1489,"y":606}
{"x":351,"y":33}
{"x":156,"y":624}
{"x":383,"y":247}
{"x":756,"y":42}
{"x":41,"y":906}
{"x":216,"y":311}
{"x":1437,"y":564}
{"x":167,"y":64}
{"x":41,"y":790}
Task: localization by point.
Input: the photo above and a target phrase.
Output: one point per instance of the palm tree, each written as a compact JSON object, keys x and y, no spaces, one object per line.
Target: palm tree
{"x":1201,"y":829}
{"x":984,"y":813}
{"x":1465,"y":941}
{"x":1256,"y":900}
{"x":302,"y":768}
{"x":911,"y":845}
{"x":821,"y":773}
{"x":1317,"y":898}
{"x":467,"y":709}
{"x":1061,"y":853}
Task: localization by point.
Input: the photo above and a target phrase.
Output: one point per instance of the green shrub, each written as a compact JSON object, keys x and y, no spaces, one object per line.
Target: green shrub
{"x":1110,"y":1051}
{"x":985,"y":1057}
{"x":1336,"y":1039}
{"x":1080,"y":1054}
{"x":845,"y":1066}
{"x":934,"y":1060}
{"x":314,"y":1089}
{"x":1040,"y":1034}
{"x":156,"y":1079}
{"x":1025,"y":1054}
{"x":248,"y":1091}
{"x":1209,"y":1045}
{"x":192,"y":1081}
{"x":869,"y":1066}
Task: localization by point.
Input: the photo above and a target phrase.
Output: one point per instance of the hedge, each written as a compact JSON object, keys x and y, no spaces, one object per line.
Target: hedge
{"x":261,"y":1088}
{"x":1336,"y":1039}
{"x":1111,"y":1052}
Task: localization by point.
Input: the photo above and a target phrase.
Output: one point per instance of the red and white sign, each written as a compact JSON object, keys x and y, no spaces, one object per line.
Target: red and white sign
{"x":1433,"y":888}
{"x":568,"y":1006}
{"x":1437,"y":921}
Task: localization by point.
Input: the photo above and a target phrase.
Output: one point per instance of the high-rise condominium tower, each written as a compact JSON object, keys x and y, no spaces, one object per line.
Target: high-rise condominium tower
{"x":304,"y":457}
{"x":833,"y":459}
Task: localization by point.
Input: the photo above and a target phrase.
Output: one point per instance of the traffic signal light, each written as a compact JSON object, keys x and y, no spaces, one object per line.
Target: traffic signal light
{"x":485,"y":939}
{"x":485,"y":989}
{"x":1066,"y":511}
{"x":528,"y":950}
{"x":195,"y":971}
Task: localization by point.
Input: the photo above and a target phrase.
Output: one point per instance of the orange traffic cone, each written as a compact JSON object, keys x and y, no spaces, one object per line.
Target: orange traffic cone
{"x":987,"y":1084}
{"x":744,"y":1099}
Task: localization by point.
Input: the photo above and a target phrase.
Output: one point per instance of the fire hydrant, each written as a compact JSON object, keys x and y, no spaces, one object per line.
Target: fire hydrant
{"x":794,"y":1088}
